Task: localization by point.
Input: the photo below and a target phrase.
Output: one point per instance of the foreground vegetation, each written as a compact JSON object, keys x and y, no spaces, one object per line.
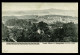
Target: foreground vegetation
{"x":40,"y":32}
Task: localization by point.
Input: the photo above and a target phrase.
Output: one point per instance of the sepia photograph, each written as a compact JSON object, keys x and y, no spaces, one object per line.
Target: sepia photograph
{"x":39,"y":22}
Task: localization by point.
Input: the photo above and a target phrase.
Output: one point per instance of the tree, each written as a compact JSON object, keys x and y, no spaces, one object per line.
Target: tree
{"x":46,"y":32}
{"x":42,"y":25}
{"x":5,"y":33}
{"x":57,"y":35}
{"x":34,"y":27}
{"x":70,"y":31}
{"x":67,"y":33}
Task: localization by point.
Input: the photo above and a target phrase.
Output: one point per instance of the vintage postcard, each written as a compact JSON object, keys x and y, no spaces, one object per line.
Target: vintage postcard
{"x":39,"y":27}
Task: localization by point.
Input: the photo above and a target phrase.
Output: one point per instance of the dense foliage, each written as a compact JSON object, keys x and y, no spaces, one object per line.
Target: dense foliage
{"x":40,"y":32}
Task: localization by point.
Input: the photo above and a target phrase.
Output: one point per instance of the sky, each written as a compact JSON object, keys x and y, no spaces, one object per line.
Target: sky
{"x":8,"y":6}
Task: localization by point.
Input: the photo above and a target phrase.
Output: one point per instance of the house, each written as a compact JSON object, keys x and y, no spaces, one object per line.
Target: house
{"x":40,"y":31}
